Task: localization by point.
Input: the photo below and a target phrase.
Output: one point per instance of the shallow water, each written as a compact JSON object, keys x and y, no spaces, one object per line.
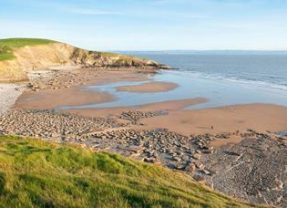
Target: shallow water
{"x":266,"y":67}
{"x":219,"y":91}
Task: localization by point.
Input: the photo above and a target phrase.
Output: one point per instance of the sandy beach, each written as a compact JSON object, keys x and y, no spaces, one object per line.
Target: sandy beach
{"x":260,"y":117}
{"x":165,"y":132}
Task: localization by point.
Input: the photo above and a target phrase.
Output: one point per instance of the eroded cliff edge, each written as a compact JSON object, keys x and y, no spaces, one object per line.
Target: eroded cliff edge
{"x":18,"y":57}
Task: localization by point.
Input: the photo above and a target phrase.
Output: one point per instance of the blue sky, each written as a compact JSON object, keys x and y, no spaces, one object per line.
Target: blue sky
{"x":150,"y":24}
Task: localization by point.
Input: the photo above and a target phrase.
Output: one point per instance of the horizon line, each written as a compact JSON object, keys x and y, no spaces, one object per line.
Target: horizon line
{"x":155,"y":50}
{"x":203,"y":50}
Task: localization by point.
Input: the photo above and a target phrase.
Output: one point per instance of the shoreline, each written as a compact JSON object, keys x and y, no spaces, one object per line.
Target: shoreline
{"x":59,"y":90}
{"x":50,"y":89}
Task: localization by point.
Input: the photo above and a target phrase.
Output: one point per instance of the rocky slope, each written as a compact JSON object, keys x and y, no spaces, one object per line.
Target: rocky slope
{"x":19,"y":56}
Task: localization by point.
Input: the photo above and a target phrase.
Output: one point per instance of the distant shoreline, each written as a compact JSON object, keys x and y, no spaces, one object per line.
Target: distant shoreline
{"x":208,"y":52}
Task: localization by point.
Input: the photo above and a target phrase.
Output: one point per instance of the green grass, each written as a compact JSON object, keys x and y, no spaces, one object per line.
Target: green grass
{"x":35,"y":173}
{"x":7,"y":45}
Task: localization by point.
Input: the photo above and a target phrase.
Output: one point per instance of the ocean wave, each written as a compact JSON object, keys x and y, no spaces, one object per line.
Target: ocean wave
{"x":239,"y":80}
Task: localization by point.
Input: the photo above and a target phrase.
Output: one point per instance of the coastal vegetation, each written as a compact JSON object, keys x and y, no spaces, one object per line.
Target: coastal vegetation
{"x":8,"y":45}
{"x":36,"y":173}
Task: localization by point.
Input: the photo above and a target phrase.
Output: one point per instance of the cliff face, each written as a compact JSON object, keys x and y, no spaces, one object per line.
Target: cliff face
{"x":30,"y":58}
{"x":47,"y":56}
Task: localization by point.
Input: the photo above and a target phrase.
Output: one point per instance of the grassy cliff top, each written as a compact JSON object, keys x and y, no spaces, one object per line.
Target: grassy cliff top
{"x":21,"y":42}
{"x":7,"y":45}
{"x":35,"y":173}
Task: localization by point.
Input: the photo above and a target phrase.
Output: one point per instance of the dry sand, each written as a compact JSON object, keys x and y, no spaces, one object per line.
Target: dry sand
{"x":149,"y":87}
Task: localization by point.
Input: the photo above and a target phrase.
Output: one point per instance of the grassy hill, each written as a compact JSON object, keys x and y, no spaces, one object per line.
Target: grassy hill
{"x":35,"y":173}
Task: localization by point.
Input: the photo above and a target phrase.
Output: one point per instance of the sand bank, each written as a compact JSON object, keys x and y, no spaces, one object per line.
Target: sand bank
{"x":149,"y":87}
{"x":49,"y":99}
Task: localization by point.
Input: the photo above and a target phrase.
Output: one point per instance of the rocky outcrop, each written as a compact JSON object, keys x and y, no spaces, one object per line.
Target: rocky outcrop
{"x":59,"y":55}
{"x":101,"y":59}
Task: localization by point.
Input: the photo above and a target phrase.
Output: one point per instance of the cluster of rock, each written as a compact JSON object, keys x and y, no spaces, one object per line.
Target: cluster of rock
{"x":52,"y":125}
{"x":135,"y":116}
{"x":254,"y":169}
{"x":162,"y":146}
{"x":59,"y":79}
{"x":54,"y":80}
{"x":102,"y":59}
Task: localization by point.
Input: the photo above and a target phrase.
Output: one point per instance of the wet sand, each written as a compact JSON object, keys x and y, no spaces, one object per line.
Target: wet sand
{"x":168,"y":106}
{"x":49,"y":99}
{"x":149,"y":87}
{"x":111,"y":76}
{"x":68,"y":88}
{"x":260,"y":117}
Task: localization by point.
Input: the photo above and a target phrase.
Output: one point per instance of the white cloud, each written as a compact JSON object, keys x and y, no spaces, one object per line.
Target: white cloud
{"x":87,"y":11}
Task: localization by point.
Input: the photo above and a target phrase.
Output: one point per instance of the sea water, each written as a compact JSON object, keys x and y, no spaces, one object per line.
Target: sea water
{"x":224,"y":78}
